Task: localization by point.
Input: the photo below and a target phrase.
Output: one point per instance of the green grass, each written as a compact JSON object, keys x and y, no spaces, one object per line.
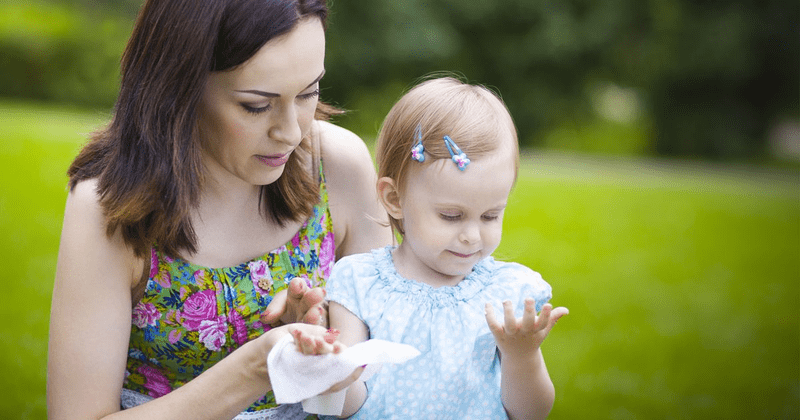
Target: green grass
{"x":681,"y":278}
{"x":38,"y":142}
{"x":682,"y":284}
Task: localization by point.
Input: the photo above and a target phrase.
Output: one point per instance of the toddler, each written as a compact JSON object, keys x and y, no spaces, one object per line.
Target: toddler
{"x":447,"y":160}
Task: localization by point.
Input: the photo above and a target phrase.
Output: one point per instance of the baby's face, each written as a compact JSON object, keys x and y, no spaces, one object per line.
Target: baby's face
{"x":453,"y":219}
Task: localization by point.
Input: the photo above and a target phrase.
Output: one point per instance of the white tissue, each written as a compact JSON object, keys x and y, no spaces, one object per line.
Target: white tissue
{"x":297,"y":377}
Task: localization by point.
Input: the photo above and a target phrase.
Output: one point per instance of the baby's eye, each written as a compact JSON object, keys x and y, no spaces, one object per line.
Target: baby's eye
{"x":450,"y":217}
{"x":490,"y":217}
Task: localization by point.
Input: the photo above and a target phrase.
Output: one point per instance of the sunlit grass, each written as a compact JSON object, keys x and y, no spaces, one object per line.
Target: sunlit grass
{"x":38,"y":142}
{"x":682,"y":279}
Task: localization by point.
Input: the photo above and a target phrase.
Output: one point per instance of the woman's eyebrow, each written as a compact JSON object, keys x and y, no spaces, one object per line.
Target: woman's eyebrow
{"x":275,"y":95}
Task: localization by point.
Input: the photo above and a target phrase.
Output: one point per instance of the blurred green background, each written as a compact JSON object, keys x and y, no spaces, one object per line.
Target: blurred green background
{"x":659,"y":192}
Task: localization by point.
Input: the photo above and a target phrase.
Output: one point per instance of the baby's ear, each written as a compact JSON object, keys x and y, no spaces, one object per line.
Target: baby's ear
{"x":389,"y":196}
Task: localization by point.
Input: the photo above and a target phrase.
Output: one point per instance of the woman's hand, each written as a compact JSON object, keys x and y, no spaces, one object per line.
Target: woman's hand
{"x":297,"y":303}
{"x":517,"y":337}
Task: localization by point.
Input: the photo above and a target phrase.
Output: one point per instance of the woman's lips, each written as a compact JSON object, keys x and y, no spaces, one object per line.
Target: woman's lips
{"x":273,"y":160}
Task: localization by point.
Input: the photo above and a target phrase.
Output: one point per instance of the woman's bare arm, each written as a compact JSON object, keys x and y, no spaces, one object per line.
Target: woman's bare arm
{"x":90,"y":324}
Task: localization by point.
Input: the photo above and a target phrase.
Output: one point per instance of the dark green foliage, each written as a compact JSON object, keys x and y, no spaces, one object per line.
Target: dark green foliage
{"x":708,"y":79}
{"x":712,"y":76}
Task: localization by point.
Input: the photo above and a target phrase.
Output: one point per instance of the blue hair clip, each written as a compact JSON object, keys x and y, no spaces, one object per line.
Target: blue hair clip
{"x":460,"y":158}
{"x":418,"y":150}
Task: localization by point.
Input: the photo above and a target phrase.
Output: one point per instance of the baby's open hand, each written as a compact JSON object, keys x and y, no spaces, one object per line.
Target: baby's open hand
{"x":517,"y":337}
{"x":314,"y":340}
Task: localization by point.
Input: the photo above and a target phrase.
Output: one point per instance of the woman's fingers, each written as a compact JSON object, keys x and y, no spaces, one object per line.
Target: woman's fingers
{"x":298,"y":303}
{"x":312,"y":296}
{"x":275,"y":309}
{"x":285,"y":305}
{"x":314,"y":307}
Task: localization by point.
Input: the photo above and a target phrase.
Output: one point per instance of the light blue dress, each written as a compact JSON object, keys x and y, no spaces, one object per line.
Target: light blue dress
{"x":458,"y":374}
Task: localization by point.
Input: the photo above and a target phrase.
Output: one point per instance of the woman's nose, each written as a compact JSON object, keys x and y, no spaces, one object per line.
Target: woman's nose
{"x":285,"y":127}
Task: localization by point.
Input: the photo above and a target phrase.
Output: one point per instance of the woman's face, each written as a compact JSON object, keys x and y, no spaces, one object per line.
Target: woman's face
{"x":253,"y":117}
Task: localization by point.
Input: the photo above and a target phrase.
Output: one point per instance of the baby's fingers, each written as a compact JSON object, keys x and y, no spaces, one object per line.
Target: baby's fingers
{"x":510,"y":318}
{"x":494,"y":326}
{"x":529,"y":315}
{"x":543,"y":320}
{"x":306,"y":344}
{"x":553,"y":315}
{"x":315,"y":344}
{"x":557,"y":314}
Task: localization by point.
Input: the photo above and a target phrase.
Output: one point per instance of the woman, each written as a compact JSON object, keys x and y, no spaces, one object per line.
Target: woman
{"x":215,"y":187}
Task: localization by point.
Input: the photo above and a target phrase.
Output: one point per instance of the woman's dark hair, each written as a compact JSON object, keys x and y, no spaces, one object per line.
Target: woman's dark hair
{"x":147,"y":159}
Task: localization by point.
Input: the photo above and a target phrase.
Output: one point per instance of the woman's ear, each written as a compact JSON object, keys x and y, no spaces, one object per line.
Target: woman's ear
{"x":389,"y":197}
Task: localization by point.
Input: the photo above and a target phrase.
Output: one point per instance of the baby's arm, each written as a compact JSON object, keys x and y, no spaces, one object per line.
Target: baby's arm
{"x":351,"y":331}
{"x":526,"y":386}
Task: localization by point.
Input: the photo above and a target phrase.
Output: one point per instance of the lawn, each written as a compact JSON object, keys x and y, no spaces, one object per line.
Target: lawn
{"x":681,"y":277}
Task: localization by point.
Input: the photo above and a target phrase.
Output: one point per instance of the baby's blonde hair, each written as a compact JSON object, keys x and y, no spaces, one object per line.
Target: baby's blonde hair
{"x":473,"y":116}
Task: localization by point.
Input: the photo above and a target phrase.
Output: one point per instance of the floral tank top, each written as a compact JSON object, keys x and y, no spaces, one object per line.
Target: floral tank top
{"x":191,"y":317}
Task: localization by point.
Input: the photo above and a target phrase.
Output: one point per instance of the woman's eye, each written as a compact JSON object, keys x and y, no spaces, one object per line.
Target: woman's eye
{"x":255,"y":110}
{"x":309,"y":96}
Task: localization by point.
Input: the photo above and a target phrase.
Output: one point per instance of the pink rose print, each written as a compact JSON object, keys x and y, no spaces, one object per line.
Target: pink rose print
{"x":155,"y":382}
{"x":174,"y":336}
{"x":261,"y":276}
{"x":173,"y":317}
{"x":153,"y":263}
{"x":161,"y":277}
{"x":327,"y":255}
{"x":145,"y":314}
{"x":199,"y":307}
{"x":304,"y":248}
{"x":199,"y":278}
{"x":239,"y":327}
{"x":212,"y":333}
{"x":164,"y":278}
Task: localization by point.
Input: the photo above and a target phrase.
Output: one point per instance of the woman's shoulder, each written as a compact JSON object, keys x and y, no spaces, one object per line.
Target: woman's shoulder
{"x":332,"y":132}
{"x":85,"y":228}
{"x":350,"y":179}
{"x":83,"y":196}
{"x":342,"y":150}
